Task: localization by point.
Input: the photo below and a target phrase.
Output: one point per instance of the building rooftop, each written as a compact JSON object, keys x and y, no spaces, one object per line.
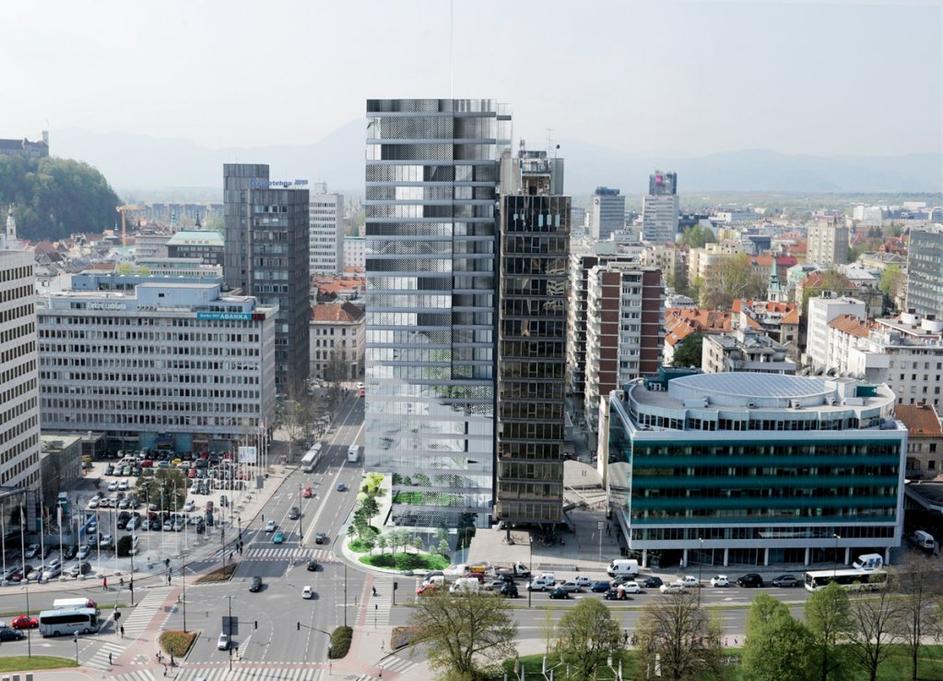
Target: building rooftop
{"x":921,"y":420}
{"x":749,"y":386}
{"x":197,"y":237}
{"x":337,"y":312}
{"x":851,"y":324}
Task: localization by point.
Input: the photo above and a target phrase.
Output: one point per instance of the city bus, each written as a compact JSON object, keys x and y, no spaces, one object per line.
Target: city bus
{"x":310,"y":460}
{"x":72,"y":603}
{"x":853,"y":580}
{"x":68,"y":621}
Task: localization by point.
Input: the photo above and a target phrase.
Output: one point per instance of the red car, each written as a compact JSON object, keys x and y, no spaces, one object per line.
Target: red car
{"x":308,"y":492}
{"x":24,"y":622}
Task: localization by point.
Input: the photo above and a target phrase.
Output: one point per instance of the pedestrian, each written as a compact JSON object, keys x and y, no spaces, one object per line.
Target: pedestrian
{"x":374,"y":591}
{"x":109,"y":659}
{"x":122,"y":631}
{"x":165,"y":670}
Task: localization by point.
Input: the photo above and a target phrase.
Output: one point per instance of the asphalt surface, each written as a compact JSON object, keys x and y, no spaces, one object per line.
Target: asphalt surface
{"x":277,"y":625}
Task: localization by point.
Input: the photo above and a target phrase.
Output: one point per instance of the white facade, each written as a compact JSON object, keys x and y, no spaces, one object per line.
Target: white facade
{"x":19,"y":378}
{"x":828,"y":241}
{"x":822,"y":310}
{"x":660,"y":218}
{"x":326,"y":236}
{"x":177,"y":361}
{"x":355,"y":252}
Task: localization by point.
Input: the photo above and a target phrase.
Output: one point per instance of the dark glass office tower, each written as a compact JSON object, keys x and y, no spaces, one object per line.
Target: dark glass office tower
{"x":431,"y":239}
{"x":534,"y":253}
{"x":266,"y":228}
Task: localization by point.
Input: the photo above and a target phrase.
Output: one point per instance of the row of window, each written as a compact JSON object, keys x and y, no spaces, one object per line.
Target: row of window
{"x":81,"y":351}
{"x":762,"y":533}
{"x":103,"y":421}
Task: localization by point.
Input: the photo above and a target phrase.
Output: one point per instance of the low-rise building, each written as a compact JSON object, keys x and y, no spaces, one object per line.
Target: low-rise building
{"x":924,"y":439}
{"x":205,"y":244}
{"x":338,"y":341}
{"x":60,"y":463}
{"x":682,"y":322}
{"x":744,"y":350}
{"x":166,"y":365}
{"x":822,"y":310}
{"x":754,"y":469}
{"x":778,"y":320}
{"x":355,"y":252}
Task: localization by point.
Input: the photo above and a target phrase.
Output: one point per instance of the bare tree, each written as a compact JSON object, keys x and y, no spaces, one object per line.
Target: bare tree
{"x":874,"y":628}
{"x":678,"y":641}
{"x":919,"y":582}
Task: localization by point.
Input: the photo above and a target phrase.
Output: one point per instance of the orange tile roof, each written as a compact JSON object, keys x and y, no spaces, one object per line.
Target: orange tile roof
{"x":815,"y":279}
{"x":789,"y":311}
{"x":681,"y":322}
{"x":852,"y":324}
{"x":921,"y":420}
{"x":337,"y":312}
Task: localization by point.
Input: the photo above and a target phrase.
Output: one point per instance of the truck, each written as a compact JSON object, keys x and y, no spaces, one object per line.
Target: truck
{"x":353,"y":454}
{"x":515,"y":570}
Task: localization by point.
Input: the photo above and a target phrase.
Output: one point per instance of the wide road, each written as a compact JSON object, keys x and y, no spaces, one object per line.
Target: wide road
{"x":277,"y":625}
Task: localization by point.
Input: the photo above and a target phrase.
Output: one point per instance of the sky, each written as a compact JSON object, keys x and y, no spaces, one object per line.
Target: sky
{"x":694,"y":77}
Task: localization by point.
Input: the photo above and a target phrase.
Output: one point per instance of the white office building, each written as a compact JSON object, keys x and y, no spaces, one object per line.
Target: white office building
{"x":167,"y":365}
{"x":19,"y":389}
{"x":660,"y":209}
{"x":326,"y":240}
{"x":355,"y":252}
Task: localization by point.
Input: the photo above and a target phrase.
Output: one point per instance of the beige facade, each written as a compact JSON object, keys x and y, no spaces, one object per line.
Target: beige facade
{"x":338,"y":341}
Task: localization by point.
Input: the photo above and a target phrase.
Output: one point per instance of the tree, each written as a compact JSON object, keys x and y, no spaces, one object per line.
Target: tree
{"x":381,"y":543}
{"x":777,"y":648}
{"x":892,"y":282}
{"x":826,"y":613}
{"x":682,"y":636}
{"x":873,"y":629}
{"x":920,"y":613}
{"x":831,"y":280}
{"x":696,"y":236}
{"x":466,"y":634}
{"x":688,"y":352}
{"x":167,"y":488}
{"x":733,"y":278}
{"x":588,"y":635}
{"x":763,"y":610}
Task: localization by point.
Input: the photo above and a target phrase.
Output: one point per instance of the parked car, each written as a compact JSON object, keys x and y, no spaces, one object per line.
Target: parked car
{"x":80,"y":568}
{"x":255,"y":585}
{"x":583,"y":582}
{"x":189,"y":506}
{"x":786,"y":582}
{"x":93,"y":504}
{"x":751,"y":580}
{"x":84,"y":552}
{"x":113,"y":486}
{"x":541,"y":583}
{"x":31,"y":551}
{"x":720,"y":581}
{"x":690,"y":581}
{"x":559,"y":593}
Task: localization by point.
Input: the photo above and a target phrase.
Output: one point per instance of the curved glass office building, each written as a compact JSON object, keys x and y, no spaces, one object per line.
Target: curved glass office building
{"x":432,"y":179}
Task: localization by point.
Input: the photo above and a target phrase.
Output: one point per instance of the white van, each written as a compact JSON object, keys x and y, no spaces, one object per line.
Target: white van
{"x":469,"y":584}
{"x":623,"y":567}
{"x":923,"y":540}
{"x":869,"y":561}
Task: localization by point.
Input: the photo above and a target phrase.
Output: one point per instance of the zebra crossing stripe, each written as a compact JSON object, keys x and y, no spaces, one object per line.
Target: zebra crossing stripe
{"x":256,"y":674}
{"x":100,"y":659}
{"x":397,"y":664}
{"x":140,"y":675}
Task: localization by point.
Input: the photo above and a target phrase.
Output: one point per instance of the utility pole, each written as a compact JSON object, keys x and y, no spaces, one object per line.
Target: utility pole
{"x":301,"y":534}
{"x":29,"y":638}
{"x":229,"y":633}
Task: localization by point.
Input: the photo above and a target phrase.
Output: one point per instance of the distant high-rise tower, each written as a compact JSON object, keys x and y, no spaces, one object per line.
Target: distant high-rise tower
{"x":660,"y":208}
{"x":925,"y":272}
{"x":431,"y":239}
{"x":828,"y":240}
{"x":532,"y":335}
{"x":607,"y":213}
{"x":327,"y":232}
{"x":266,"y":228}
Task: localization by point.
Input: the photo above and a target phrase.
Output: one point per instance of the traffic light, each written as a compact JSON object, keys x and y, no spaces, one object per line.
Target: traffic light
{"x":395,"y":586}
{"x":255,"y":624}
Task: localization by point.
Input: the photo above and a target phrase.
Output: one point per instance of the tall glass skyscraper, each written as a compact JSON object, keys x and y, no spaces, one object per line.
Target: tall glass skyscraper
{"x":432,"y":176}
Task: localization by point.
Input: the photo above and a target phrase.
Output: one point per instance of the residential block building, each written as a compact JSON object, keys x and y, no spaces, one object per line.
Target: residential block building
{"x":745,"y":350}
{"x":338,"y":341}
{"x":828,"y":241}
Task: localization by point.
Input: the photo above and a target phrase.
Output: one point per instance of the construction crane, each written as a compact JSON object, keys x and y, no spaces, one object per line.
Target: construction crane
{"x":124,"y":227}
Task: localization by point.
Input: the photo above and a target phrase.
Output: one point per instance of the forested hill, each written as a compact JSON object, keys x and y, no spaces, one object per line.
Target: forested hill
{"x":55,"y":197}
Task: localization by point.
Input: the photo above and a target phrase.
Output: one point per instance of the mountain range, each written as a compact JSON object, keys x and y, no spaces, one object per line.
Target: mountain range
{"x":139,"y":164}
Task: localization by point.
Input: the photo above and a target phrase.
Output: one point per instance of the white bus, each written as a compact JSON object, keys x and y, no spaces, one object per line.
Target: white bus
{"x":72,"y":603}
{"x":853,"y":580}
{"x":353,"y":453}
{"x":68,"y":621}
{"x":310,"y":460}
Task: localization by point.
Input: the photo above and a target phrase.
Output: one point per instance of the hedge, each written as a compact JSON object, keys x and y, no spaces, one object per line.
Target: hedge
{"x":223,"y":574}
{"x":340,"y":642}
{"x":177,"y":643}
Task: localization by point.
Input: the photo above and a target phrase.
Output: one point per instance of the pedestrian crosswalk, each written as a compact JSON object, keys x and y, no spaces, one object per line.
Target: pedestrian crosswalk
{"x":140,"y":675}
{"x":113,"y":646}
{"x":287,"y":553}
{"x":246,"y":673}
{"x":400,"y":665}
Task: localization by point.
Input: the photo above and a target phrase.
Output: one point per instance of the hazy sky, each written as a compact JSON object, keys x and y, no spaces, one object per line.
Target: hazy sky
{"x":822,"y":78}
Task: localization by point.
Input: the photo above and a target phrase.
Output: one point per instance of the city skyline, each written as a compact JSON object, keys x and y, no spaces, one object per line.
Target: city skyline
{"x":671,"y":87}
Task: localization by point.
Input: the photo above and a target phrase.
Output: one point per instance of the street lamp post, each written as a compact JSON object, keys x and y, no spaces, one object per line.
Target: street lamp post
{"x":700,"y":562}
{"x":229,"y":632}
{"x":29,"y":638}
{"x":835,"y":556}
{"x":301,"y":534}
{"x":530,"y":568}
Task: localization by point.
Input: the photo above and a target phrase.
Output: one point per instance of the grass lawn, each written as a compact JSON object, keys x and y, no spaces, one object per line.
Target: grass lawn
{"x":407,"y":561}
{"x":177,"y":643}
{"x":223,"y":574}
{"x":22,"y":663}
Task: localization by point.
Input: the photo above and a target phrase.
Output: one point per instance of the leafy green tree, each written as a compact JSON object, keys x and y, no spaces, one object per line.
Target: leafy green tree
{"x":733,"y":278}
{"x":167,"y":488}
{"x":55,"y":197}
{"x":381,"y":543}
{"x":466,"y":635}
{"x":778,"y":648}
{"x":688,"y":352}
{"x":874,"y":629}
{"x":832,"y":280}
{"x":918,"y":580}
{"x":696,"y":236}
{"x":588,"y":635}
{"x":680,"y":638}
{"x":763,"y":610}
{"x":892,"y":282}
{"x":826,"y":614}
